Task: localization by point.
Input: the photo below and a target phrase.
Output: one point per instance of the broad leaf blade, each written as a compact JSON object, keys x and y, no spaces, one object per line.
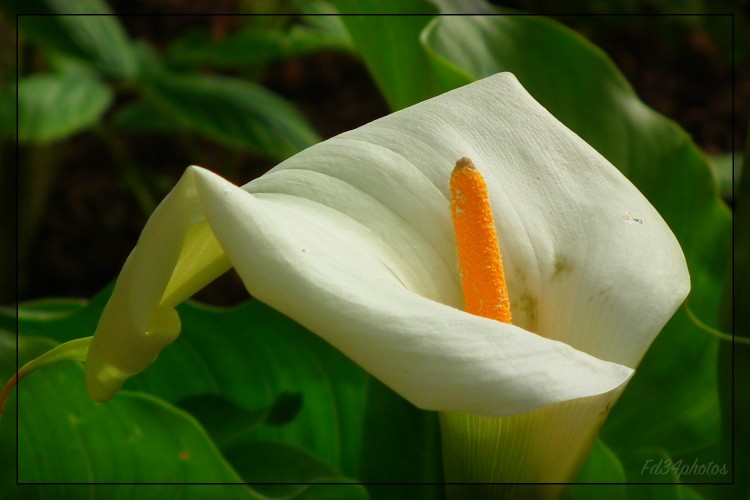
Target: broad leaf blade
{"x":254,"y":354}
{"x":251,"y":356}
{"x":401,"y":444}
{"x":601,"y":466}
{"x":653,"y":465}
{"x":321,"y":15}
{"x":53,"y":107}
{"x":269,"y":462}
{"x":234,"y":112}
{"x":223,"y":420}
{"x":400,"y":66}
{"x":251,"y":47}
{"x":65,"y":438}
{"x":143,"y":117}
{"x":727,"y":169}
{"x":99,"y":40}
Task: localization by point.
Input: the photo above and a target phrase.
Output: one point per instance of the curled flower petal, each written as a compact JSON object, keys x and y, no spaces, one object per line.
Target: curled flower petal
{"x":353,"y":239}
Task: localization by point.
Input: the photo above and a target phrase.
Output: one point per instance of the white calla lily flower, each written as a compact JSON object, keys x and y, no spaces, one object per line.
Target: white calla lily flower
{"x":353,"y":239}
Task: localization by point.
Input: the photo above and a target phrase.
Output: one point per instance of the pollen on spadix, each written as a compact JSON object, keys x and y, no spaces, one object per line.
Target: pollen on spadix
{"x":479,"y":261}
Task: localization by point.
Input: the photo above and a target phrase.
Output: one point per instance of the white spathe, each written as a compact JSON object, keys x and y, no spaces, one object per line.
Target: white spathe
{"x":353,"y":239}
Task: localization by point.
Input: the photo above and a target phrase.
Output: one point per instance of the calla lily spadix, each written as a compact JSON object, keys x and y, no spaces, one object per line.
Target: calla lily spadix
{"x":353,"y":239}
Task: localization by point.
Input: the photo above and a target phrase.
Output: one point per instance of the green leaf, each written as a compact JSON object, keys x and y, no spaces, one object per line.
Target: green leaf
{"x":53,"y":107}
{"x":228,"y":423}
{"x":74,"y":350}
{"x":64,"y":437}
{"x":269,"y":462}
{"x":321,"y":15}
{"x":693,"y":418}
{"x":99,"y":40}
{"x":727,"y":169}
{"x":403,"y":70}
{"x":333,"y":491}
{"x":653,"y":465}
{"x":250,"y":47}
{"x":401,"y":444}
{"x":234,"y":112}
{"x":231,"y":426}
{"x":28,"y":348}
{"x":144,"y":117}
{"x":252,"y":355}
{"x":601,"y":466}
{"x":254,"y":358}
{"x":43,"y":309}
{"x":63,"y":64}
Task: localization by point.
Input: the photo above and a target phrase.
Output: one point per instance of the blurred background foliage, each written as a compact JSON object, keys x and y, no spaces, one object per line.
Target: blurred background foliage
{"x":113,"y":108}
{"x":239,"y":94}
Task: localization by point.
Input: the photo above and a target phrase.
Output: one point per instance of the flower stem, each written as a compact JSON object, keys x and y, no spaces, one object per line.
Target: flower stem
{"x":514,"y":456}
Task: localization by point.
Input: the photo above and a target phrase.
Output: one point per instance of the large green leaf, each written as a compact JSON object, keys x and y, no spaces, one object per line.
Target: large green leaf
{"x":645,"y":466}
{"x":401,"y":444}
{"x":267,"y":461}
{"x":388,"y":45}
{"x":53,"y":107}
{"x":234,"y":112}
{"x":727,"y":169}
{"x":653,"y":465}
{"x":225,"y":421}
{"x":601,"y":466}
{"x":251,"y":47}
{"x":253,"y":357}
{"x":99,"y":40}
{"x":64,"y":437}
{"x":143,"y":117}
{"x":258,"y":461}
{"x":321,"y":15}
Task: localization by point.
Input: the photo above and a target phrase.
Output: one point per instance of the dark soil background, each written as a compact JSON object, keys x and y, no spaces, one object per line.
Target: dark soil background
{"x":680,"y":67}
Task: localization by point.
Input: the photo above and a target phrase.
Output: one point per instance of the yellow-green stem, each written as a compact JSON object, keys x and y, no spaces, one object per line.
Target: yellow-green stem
{"x":547,"y":445}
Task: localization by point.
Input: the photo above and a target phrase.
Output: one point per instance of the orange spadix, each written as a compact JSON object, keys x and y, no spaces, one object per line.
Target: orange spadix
{"x":482,"y":277}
